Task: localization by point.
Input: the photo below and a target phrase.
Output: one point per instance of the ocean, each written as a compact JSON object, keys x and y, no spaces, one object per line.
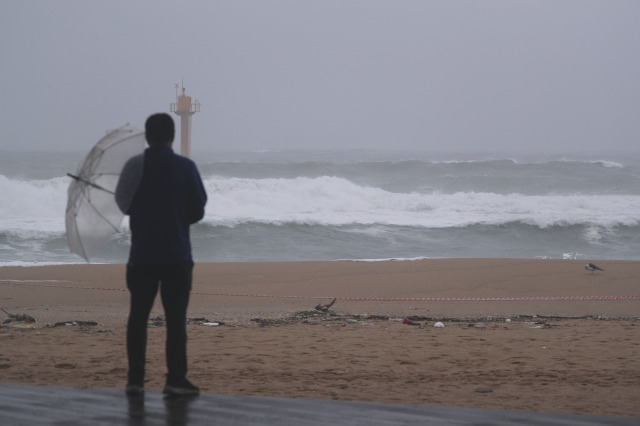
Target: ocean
{"x":358,"y":205}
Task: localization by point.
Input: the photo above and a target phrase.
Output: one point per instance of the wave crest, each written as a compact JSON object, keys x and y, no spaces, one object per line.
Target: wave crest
{"x":337,"y":201}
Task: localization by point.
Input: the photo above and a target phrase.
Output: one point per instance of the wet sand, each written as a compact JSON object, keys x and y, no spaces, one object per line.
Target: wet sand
{"x":564,"y":349}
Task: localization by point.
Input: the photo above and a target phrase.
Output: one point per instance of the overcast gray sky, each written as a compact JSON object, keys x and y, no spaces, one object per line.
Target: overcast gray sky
{"x":397,"y":74}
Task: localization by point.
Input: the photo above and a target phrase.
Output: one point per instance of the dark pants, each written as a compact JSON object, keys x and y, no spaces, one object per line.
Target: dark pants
{"x":175,"y":286}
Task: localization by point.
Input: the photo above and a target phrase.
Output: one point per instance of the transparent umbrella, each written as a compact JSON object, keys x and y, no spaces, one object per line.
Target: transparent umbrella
{"x":93,"y":215}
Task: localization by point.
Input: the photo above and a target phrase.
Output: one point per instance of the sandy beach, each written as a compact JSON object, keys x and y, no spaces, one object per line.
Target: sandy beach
{"x":541,"y":335}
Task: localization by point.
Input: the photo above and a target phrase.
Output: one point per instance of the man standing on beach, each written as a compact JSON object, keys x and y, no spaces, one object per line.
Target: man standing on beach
{"x":169,"y":198}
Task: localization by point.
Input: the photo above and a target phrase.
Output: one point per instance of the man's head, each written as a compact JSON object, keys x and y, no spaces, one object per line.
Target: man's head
{"x":159,"y":129}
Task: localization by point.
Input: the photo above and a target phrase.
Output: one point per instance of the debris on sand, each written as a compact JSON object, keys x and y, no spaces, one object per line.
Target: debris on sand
{"x":478,"y":325}
{"x":161,"y":321}
{"x":20,"y":318}
{"x":158,"y":321}
{"x":410,"y":321}
{"x":75,"y":323}
{"x":325,"y":308}
{"x":314,"y":316}
{"x":16,"y":320}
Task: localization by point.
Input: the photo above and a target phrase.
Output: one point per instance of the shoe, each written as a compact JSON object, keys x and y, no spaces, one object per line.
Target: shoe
{"x":134,"y":389}
{"x":182,"y":388}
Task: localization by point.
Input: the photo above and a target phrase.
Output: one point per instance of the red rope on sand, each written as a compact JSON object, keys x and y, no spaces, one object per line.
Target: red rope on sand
{"x":360,"y":299}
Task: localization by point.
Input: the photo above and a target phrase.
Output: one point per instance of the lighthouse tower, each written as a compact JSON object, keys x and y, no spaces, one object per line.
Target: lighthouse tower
{"x":185,"y":109}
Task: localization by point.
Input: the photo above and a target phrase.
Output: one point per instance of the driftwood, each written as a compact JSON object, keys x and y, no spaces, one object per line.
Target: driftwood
{"x":325,"y":308}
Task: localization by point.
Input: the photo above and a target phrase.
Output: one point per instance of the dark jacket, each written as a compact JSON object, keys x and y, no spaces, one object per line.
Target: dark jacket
{"x":169,"y":198}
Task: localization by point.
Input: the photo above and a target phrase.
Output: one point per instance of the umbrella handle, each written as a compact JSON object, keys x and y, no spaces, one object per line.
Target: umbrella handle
{"x":79,"y":179}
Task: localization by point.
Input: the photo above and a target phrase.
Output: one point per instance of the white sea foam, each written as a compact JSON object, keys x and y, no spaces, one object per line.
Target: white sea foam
{"x":36,"y":208}
{"x":35,"y":263}
{"x":337,"y":201}
{"x":397,"y":259}
{"x":612,"y":164}
{"x":33,"y":205}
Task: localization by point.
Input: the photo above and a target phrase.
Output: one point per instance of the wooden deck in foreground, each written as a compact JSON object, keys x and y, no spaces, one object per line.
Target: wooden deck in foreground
{"x":47,"y":405}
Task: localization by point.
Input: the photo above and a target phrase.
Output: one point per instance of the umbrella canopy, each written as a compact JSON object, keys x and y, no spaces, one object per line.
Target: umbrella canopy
{"x":93,"y":215}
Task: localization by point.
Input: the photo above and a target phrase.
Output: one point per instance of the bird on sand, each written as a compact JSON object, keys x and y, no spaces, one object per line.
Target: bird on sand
{"x":591,"y":267}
